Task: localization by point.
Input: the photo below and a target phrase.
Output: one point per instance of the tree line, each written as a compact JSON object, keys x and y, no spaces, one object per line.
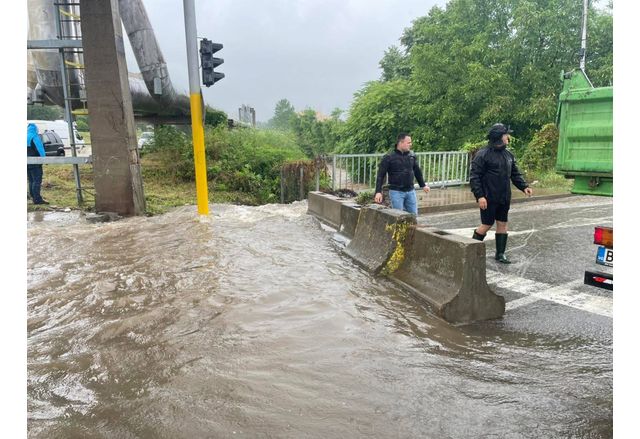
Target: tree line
{"x":458,"y":70}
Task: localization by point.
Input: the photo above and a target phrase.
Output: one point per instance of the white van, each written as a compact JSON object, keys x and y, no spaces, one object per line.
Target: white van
{"x":62,"y":129}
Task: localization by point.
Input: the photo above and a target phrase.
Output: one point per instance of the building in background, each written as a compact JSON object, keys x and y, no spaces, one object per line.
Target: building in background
{"x":247,"y":115}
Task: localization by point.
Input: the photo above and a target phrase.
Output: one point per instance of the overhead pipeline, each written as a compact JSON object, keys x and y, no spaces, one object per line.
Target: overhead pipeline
{"x":152,"y":92}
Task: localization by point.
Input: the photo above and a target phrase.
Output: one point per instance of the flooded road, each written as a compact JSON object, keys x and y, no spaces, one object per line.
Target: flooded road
{"x":252,"y":323}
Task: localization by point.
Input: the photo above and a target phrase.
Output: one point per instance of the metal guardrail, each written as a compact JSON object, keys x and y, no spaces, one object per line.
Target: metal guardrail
{"x":59,"y":160}
{"x":359,"y":171}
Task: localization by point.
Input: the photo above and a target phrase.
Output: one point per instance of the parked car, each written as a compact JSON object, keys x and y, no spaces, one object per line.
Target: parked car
{"x":603,"y":278}
{"x":53,"y":144}
{"x":145,"y":138}
{"x":62,"y":130}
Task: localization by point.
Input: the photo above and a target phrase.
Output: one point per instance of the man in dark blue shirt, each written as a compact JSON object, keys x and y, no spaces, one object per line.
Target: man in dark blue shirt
{"x":402,"y":166}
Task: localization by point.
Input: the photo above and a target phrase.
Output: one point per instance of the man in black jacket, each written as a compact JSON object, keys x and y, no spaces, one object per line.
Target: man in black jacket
{"x":492,"y":171}
{"x":402,"y":166}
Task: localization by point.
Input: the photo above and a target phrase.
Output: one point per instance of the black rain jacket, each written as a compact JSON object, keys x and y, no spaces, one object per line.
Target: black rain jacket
{"x":492,"y":171}
{"x":401,"y":167}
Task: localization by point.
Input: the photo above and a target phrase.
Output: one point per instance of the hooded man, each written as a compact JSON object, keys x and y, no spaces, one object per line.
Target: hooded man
{"x":35,"y":148}
{"x":492,"y":171}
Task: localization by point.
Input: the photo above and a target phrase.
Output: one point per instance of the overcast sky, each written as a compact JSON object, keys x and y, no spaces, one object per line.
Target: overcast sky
{"x":314,"y":53}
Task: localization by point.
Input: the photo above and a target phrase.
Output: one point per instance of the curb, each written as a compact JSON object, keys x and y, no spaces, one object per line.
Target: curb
{"x":473,"y":204}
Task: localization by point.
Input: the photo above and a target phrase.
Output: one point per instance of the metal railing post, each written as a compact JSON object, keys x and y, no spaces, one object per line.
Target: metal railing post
{"x":333,"y":174}
{"x":443,"y":164}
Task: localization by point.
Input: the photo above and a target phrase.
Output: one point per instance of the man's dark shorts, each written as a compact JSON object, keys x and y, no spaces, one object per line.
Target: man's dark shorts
{"x":493,"y":212}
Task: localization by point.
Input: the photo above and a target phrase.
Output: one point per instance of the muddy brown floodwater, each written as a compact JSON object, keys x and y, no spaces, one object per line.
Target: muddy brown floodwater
{"x":251,"y":323}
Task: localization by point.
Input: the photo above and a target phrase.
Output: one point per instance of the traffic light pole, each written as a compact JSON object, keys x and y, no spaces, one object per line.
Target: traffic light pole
{"x":195,"y":96}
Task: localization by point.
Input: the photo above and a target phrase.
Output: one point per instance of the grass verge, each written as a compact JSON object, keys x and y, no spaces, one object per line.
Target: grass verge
{"x":162,"y":193}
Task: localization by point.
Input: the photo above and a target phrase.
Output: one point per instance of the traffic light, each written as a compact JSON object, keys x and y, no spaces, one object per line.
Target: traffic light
{"x":207,"y":49}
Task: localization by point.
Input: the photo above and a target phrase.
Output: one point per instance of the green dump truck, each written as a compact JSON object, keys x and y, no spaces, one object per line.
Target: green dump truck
{"x":585,"y":154}
{"x":585,"y":146}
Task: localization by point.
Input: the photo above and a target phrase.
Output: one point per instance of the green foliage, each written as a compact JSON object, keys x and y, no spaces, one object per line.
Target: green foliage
{"x":365,"y":197}
{"x":215,"y":117}
{"x":394,"y":65}
{"x":82,"y":123}
{"x":245,"y":160}
{"x":473,"y":64}
{"x":250,"y":160}
{"x":540,"y":154}
{"x":174,"y":150}
{"x":550,"y":179}
{"x":473,"y":147}
{"x":379,"y":112}
{"x":317,"y":137}
{"x":44,"y":112}
{"x":282,"y":115}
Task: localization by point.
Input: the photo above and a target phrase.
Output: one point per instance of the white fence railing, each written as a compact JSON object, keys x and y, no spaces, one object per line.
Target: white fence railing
{"x":359,"y":171}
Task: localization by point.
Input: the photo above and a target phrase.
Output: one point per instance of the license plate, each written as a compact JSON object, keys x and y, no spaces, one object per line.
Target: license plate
{"x":605,"y":256}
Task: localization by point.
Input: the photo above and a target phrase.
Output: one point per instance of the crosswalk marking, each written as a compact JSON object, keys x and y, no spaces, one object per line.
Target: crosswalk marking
{"x":564,"y":294}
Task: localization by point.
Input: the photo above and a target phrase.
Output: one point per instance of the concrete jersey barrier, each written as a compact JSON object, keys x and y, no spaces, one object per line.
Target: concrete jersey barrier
{"x":378,"y":234}
{"x":325,"y":207}
{"x":446,"y":271}
{"x":449,"y":272}
{"x":339,"y":213}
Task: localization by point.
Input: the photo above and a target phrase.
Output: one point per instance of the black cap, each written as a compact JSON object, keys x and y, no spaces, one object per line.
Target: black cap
{"x":497,"y":131}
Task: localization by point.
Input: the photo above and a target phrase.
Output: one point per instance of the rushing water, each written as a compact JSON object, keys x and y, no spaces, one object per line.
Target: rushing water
{"x":252,"y":323}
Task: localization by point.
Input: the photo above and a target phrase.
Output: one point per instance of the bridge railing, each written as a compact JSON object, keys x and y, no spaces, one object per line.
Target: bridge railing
{"x":358,"y":172}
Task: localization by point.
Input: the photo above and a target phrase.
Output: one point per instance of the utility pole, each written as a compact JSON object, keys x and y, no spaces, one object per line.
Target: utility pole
{"x":195,"y":97}
{"x":583,"y":44}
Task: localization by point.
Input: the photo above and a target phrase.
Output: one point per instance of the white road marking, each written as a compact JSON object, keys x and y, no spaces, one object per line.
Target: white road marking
{"x":564,"y":294}
{"x":468,"y":231}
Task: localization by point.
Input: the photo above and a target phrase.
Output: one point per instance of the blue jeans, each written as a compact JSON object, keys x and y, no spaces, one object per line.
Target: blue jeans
{"x":404,"y":201}
{"x":34,"y":174}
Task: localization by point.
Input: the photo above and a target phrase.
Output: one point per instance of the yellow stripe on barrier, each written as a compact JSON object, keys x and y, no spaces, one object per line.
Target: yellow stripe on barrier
{"x":197,"y":130}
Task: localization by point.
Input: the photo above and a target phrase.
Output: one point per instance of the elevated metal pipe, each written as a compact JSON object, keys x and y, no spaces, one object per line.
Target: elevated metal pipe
{"x":149,"y":56}
{"x":152,"y":92}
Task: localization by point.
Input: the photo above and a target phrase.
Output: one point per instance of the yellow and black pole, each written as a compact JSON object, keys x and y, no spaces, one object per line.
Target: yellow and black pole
{"x":195,"y":96}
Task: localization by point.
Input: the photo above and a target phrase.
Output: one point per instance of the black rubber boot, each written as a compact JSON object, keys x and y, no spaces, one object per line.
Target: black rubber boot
{"x":501,"y":245}
{"x":478,"y":236}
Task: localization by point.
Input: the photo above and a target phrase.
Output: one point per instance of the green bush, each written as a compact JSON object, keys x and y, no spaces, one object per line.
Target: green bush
{"x":249,"y":160}
{"x":245,"y":160}
{"x":174,"y":151}
{"x":44,"y":112}
{"x":82,"y":123}
{"x":550,"y":179}
{"x":215,"y":117}
{"x":540,"y":154}
{"x":365,"y":197}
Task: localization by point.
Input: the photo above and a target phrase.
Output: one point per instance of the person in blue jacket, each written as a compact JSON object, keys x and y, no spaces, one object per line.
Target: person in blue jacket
{"x":35,"y":148}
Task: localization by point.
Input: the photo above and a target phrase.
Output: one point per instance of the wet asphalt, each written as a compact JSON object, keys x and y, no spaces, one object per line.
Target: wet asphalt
{"x":550,"y":244}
